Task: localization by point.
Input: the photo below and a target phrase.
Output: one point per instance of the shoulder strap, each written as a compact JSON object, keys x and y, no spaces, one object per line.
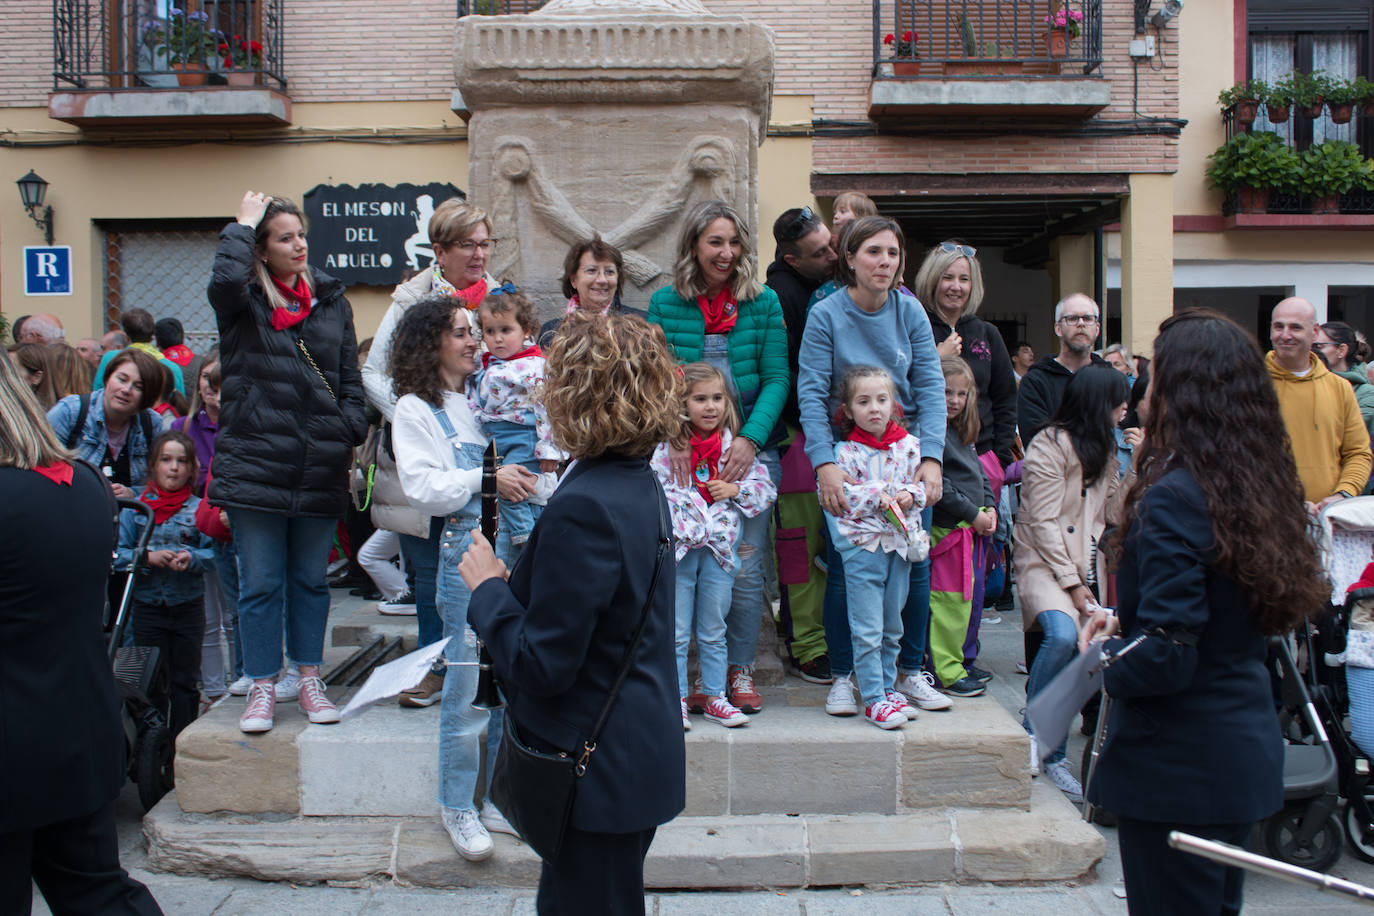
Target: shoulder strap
{"x":444,"y":422}
{"x":664,"y":540}
{"x":146,"y":422}
{"x":75,"y":434}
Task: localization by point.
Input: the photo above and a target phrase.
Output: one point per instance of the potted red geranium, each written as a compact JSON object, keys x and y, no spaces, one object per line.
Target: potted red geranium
{"x":906,"y":56}
{"x":241,"y":58}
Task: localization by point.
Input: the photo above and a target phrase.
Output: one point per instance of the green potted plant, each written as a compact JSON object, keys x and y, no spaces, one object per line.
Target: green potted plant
{"x":1277,"y":103}
{"x":188,"y":42}
{"x":983,"y":59}
{"x":1245,"y":98}
{"x":1331,"y":168}
{"x":1306,"y":91}
{"x":1340,"y":100}
{"x":1364,"y":94}
{"x":1249,"y":165}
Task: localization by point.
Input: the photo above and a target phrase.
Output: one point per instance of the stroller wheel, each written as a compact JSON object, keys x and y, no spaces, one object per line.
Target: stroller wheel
{"x":1354,"y":831}
{"x":1281,"y":839}
{"x":153,"y":763}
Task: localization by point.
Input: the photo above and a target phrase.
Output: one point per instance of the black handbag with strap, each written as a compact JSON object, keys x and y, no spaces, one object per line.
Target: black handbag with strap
{"x":535,"y":789}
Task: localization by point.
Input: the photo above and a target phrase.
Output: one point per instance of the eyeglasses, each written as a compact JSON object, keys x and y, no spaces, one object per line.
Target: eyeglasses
{"x":1323,"y":344}
{"x":468,"y":246}
{"x":1079,"y":320}
{"x":798,"y":226}
{"x":967,"y":251}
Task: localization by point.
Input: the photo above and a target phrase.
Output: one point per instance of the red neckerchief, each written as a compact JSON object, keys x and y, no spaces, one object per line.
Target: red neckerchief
{"x":532,"y":350}
{"x":1366,"y":579}
{"x":179,"y":354}
{"x":165,"y":504}
{"x":283,"y":318}
{"x":59,"y":472}
{"x":720,"y":313}
{"x":705,"y":462}
{"x":893,"y":433}
{"x":473,"y":295}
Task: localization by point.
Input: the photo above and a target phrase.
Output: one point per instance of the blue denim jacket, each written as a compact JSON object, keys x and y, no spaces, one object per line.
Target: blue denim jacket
{"x":166,"y":586}
{"x":90,"y":445}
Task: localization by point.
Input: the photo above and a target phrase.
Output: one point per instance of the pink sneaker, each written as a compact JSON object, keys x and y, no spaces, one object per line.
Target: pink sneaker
{"x":719,"y":709}
{"x":884,"y":715}
{"x":260,"y":714}
{"x":896,"y":698}
{"x":315,"y":704}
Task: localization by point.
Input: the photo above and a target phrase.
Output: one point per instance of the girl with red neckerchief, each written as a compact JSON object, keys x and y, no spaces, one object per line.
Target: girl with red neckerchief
{"x":879,"y":535}
{"x":708,"y":516}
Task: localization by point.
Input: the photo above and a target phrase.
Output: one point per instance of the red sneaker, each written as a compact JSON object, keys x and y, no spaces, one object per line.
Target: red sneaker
{"x":884,"y":715}
{"x":740,"y":690}
{"x":720,"y":710}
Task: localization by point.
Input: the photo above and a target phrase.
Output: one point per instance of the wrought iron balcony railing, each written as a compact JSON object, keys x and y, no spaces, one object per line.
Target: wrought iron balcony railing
{"x":497,"y":7}
{"x":142,"y":44}
{"x":987,"y":37}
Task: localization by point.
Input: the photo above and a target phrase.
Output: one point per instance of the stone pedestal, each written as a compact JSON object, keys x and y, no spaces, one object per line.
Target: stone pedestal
{"x":609,"y":116}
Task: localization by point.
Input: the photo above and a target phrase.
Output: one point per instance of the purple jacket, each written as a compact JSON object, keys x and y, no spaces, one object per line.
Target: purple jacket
{"x":202,"y":433}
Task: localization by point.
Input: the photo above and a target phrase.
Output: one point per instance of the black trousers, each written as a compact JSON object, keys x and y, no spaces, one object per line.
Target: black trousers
{"x":1169,"y":882}
{"x":75,"y":864}
{"x":597,"y":874}
{"x":177,"y":630}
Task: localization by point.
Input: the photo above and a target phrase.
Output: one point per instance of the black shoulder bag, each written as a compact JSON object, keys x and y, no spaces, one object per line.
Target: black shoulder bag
{"x":534,"y":789}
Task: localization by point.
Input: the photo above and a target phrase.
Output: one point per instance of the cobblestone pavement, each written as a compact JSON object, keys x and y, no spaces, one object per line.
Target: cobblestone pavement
{"x":1001,"y":649}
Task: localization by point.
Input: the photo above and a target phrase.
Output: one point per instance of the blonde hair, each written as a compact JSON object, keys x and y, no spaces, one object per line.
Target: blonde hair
{"x":276,"y":206}
{"x":27,"y":439}
{"x":933,"y":268}
{"x":856,"y":202}
{"x":966,"y":423}
{"x":612,"y":386}
{"x":694,"y":374}
{"x":454,"y":220}
{"x":688,"y":282}
{"x":845,"y":390}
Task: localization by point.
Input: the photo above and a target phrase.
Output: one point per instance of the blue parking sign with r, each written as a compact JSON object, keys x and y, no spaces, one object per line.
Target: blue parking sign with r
{"x":47,"y":270}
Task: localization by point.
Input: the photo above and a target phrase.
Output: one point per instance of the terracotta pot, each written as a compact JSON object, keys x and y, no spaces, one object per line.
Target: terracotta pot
{"x":1341,"y":112}
{"x":1059,"y":42}
{"x":1277,"y":113}
{"x":1367,"y":106}
{"x":906,"y":67}
{"x":1314,"y":110}
{"x":1328,"y":204}
{"x":1252,"y":200}
{"x":1245,"y":111}
{"x":190,"y":74}
{"x":241,"y":78}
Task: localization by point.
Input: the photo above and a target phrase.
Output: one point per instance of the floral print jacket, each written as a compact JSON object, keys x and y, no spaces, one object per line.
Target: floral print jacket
{"x":881,"y":475}
{"x":504,"y":390}
{"x":715,"y":525}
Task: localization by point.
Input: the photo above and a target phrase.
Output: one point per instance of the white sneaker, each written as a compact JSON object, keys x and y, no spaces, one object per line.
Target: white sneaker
{"x":686,"y":719}
{"x":289,"y":687}
{"x":469,"y":837}
{"x":840,"y":700}
{"x":1034,"y":757}
{"x":495,"y":822}
{"x":920,"y":689}
{"x":241,"y":687}
{"x":1064,"y":780}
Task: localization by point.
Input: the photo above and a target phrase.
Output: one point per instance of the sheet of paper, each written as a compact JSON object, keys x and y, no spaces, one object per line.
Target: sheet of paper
{"x":1051,"y":711}
{"x":389,"y":680}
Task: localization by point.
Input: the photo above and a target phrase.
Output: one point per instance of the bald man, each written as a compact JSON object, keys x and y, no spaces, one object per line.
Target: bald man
{"x":1329,"y":439}
{"x":42,"y":329}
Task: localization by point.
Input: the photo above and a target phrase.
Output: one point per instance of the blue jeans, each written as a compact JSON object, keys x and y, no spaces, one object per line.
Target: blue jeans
{"x":703,"y":593}
{"x":460,"y":726}
{"x":835,"y":611}
{"x":515,"y":445}
{"x":876,"y":587}
{"x":421,"y":557}
{"x":282,"y":563}
{"x":227,"y":572}
{"x":746,"y":600}
{"x":1059,"y":647}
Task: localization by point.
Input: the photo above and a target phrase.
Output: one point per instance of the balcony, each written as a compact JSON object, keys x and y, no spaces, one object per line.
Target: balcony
{"x":118,"y":65}
{"x":987,"y":58}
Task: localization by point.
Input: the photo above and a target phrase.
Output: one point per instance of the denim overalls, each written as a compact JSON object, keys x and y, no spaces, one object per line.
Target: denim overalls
{"x":460,"y":726}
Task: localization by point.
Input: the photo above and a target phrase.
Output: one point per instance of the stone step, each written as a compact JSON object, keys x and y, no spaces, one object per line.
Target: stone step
{"x":1048,"y":842}
{"x":788,"y":760}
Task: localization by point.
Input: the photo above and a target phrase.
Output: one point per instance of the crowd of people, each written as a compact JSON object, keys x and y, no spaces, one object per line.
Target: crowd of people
{"x":855,"y":453}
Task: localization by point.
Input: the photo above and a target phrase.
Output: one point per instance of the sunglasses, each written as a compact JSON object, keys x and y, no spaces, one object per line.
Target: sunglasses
{"x":967,"y":251}
{"x":797,"y":227}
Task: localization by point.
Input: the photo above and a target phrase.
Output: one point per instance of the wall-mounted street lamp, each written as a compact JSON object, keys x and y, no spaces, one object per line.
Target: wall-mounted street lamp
{"x":32,"y":190}
{"x":1168,"y":11}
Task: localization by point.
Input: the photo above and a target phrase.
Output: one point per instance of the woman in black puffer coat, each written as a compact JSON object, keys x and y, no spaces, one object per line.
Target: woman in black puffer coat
{"x":292,"y":411}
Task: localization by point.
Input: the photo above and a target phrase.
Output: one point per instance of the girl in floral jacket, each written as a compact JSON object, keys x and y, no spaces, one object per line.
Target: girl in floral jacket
{"x":706,"y":525}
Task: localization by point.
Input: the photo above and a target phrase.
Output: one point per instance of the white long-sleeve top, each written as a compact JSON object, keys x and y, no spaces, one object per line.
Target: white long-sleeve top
{"x":431,"y":479}
{"x":881,"y":475}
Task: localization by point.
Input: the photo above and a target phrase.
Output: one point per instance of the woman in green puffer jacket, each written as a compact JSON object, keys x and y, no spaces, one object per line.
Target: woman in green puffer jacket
{"x":1341,"y":348}
{"x":716,"y":311}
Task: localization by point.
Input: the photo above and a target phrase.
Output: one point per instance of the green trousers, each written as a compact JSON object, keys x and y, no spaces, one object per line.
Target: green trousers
{"x":949,"y":610}
{"x":807,"y":641}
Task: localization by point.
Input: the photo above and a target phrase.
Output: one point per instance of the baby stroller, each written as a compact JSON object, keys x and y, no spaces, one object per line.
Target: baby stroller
{"x":139,"y":674}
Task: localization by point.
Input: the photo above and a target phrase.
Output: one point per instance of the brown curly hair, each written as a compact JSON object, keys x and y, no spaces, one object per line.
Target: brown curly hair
{"x":1213,"y":411}
{"x":612,"y":386}
{"x":414,"y":355}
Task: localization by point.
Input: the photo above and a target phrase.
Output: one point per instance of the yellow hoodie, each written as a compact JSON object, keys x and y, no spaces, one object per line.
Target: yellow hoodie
{"x":1330,"y":441}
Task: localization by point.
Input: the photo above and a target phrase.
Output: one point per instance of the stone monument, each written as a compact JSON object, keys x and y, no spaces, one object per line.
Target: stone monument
{"x":609,"y":116}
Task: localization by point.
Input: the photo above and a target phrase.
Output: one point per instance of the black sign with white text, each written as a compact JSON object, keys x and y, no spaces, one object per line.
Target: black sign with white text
{"x":374,"y":234}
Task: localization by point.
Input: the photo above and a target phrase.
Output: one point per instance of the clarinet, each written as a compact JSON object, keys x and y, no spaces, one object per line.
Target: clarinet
{"x":488,"y":689}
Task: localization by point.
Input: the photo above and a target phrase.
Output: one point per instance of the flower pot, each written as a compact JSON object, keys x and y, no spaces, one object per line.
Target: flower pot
{"x":241,"y":78}
{"x":992,"y":66}
{"x":1331,"y":203}
{"x":1252,"y":200}
{"x":1059,"y":42}
{"x":906,"y":67}
{"x":1276,"y":113}
{"x":1246,"y":110}
{"x":1367,"y":107}
{"x":190,"y":74}
{"x":1341,"y":112}
{"x":1314,"y":110}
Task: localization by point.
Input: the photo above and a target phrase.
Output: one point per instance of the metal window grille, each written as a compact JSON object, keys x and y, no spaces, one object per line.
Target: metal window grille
{"x":165,"y":269}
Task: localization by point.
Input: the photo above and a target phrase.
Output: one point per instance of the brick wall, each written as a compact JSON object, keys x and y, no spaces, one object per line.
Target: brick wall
{"x":26,"y":59}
